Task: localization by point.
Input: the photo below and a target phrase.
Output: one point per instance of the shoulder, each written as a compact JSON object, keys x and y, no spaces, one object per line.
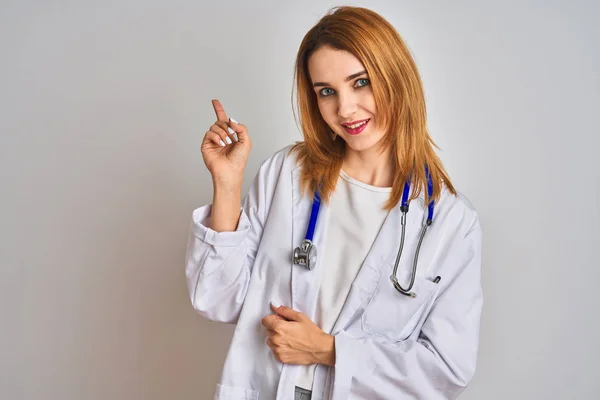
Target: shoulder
{"x":283,"y":158}
{"x":276,"y":165}
{"x":459,"y":211}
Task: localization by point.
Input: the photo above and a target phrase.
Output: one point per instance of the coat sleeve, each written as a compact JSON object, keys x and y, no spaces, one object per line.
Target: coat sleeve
{"x":219,"y":264}
{"x":440,"y":363}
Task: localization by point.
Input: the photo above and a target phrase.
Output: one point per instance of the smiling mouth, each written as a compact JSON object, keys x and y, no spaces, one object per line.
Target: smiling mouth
{"x":356,"y":124}
{"x":356,"y":128}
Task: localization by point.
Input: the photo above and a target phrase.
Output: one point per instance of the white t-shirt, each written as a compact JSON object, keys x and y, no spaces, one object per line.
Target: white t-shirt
{"x":356,"y":216}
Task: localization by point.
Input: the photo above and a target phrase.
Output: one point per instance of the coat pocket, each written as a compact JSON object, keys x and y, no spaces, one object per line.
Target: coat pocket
{"x":393,"y":315}
{"x":225,"y":392}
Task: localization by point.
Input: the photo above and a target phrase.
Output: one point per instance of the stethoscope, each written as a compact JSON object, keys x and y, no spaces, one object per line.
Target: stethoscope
{"x":306,"y":254}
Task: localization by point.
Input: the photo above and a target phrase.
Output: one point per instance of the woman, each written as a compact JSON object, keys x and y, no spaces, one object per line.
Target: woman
{"x":358,"y":322}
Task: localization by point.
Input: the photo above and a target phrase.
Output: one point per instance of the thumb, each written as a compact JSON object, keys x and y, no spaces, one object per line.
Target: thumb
{"x":287,"y":312}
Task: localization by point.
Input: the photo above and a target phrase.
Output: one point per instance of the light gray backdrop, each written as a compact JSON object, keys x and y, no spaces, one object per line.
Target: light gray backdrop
{"x":103,"y":105}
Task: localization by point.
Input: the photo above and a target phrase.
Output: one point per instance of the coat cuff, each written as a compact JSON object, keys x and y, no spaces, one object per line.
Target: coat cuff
{"x":348,"y":353}
{"x":201,"y":223}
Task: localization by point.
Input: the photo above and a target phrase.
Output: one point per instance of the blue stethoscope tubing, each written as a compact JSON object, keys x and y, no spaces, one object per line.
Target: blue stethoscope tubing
{"x":306,"y":254}
{"x":314,"y":213}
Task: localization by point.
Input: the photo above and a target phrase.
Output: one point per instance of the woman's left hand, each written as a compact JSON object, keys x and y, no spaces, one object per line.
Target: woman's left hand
{"x":295,"y":339}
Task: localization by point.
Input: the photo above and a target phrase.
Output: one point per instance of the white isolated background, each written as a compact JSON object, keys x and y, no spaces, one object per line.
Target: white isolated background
{"x":103,"y":105}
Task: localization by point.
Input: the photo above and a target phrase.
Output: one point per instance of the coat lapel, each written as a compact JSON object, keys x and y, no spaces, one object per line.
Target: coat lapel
{"x":304,"y":282}
{"x":380,"y":259}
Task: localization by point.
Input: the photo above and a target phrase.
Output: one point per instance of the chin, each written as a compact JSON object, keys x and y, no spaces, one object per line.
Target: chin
{"x":357,"y":143}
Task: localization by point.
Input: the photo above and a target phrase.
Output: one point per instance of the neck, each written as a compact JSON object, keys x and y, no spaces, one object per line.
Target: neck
{"x":372,"y":166}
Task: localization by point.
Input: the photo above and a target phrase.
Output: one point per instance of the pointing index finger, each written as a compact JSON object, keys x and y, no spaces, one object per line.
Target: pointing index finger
{"x":219,"y":111}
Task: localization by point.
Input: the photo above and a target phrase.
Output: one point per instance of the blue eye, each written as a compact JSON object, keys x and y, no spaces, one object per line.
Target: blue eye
{"x":362,"y":82}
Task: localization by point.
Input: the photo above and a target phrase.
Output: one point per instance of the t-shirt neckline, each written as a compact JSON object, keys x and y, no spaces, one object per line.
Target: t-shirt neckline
{"x":372,"y":188}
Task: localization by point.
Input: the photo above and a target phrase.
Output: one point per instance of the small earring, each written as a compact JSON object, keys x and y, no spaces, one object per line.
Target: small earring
{"x":333,"y":135}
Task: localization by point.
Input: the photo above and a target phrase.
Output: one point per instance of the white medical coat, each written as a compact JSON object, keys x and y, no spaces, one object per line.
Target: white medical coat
{"x":387,"y":345}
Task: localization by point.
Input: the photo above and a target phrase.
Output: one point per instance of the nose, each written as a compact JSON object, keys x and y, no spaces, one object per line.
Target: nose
{"x":348,"y":104}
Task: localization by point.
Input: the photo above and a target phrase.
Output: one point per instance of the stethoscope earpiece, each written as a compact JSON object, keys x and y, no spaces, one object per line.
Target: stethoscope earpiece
{"x":400,"y":289}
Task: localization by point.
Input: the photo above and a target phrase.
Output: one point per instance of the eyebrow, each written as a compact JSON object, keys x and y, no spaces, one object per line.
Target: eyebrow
{"x":356,"y":75}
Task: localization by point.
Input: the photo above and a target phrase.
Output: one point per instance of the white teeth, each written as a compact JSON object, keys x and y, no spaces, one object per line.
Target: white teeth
{"x":356,"y":125}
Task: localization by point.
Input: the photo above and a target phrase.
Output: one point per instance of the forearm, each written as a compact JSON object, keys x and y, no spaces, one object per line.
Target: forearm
{"x":226,"y":206}
{"x":326,"y":351}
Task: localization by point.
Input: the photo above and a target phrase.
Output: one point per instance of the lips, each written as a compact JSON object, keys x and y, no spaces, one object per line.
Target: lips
{"x":357,"y":129}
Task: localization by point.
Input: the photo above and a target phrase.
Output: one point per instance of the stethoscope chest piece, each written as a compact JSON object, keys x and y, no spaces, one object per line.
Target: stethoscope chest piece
{"x":306,"y":255}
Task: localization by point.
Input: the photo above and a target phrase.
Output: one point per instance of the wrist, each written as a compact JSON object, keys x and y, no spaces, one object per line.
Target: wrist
{"x":227,"y":185}
{"x":225,"y":214}
{"x":326,"y":354}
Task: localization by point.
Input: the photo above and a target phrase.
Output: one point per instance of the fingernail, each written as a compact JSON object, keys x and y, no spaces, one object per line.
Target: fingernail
{"x":222,"y":143}
{"x":275,"y":304}
{"x":234,"y":120}
{"x":228,"y":140}
{"x":230,"y":130}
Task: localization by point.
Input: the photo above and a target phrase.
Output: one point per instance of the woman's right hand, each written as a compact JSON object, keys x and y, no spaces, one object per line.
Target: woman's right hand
{"x":225,"y":157}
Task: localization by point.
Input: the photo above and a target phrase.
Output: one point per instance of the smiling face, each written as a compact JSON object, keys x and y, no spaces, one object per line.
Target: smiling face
{"x":345,"y":97}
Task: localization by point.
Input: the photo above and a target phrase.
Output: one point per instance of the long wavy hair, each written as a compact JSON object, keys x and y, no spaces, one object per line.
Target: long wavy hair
{"x":399,"y":102}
